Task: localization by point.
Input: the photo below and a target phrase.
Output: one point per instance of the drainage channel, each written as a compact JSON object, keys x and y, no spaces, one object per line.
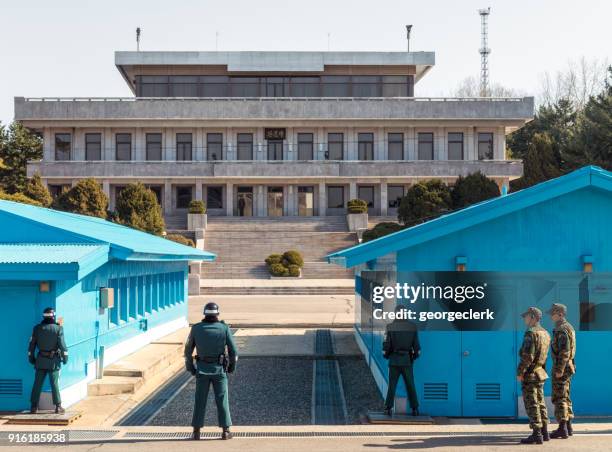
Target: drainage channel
{"x":328,"y":403}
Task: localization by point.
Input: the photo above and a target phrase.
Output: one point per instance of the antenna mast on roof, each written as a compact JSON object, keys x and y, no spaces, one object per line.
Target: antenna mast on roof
{"x":408,"y":30}
{"x":138,"y":39}
{"x":484,"y":51}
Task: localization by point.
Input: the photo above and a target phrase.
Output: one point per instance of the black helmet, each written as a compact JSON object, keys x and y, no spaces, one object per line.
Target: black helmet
{"x":211,"y":309}
{"x":49,"y":313}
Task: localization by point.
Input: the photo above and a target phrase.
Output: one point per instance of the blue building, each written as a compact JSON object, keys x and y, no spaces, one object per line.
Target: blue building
{"x":63,"y":260}
{"x":557,"y":236}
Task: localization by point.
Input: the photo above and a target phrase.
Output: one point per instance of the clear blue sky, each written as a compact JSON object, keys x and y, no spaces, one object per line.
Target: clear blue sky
{"x":65,"y":47}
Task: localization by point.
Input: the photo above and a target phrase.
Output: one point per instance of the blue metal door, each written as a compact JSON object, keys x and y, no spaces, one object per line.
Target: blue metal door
{"x":17,"y":304}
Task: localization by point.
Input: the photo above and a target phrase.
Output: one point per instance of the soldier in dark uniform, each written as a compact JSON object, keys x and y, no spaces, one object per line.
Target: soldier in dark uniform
{"x":48,"y":337}
{"x":401,"y":347}
{"x":210,"y":338}
{"x":563,"y":351}
{"x":532,"y":375}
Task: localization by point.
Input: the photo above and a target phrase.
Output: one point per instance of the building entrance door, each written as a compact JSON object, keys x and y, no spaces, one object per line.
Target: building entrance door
{"x":305,"y":201}
{"x":275,"y":201}
{"x":244,"y":202}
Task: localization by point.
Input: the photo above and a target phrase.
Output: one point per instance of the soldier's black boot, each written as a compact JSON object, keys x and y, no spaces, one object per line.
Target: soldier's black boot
{"x":561,"y":432}
{"x":534,"y":438}
{"x":196,"y":434}
{"x":415,"y":411}
{"x":570,"y":430}
{"x":33,"y":409}
{"x":226,"y":434}
{"x":545,"y":435}
{"x":387,"y":411}
{"x":59,"y":409}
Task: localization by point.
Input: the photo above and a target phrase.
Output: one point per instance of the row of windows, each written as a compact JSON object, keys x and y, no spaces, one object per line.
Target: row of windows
{"x":275,"y":86}
{"x":138,"y":296}
{"x":305,"y":146}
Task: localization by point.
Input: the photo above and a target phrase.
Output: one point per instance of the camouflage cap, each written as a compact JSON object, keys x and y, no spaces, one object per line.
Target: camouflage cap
{"x":533,"y":312}
{"x":557,"y":308}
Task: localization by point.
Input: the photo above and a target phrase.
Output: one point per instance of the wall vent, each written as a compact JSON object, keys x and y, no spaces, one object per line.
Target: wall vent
{"x":488,"y":391}
{"x":435,"y":391}
{"x":11,"y":387}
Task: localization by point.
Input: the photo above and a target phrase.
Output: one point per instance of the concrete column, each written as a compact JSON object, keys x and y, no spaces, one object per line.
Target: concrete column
{"x":198,"y":190}
{"x":48,"y":145}
{"x":353,"y":190}
{"x":288,"y":146}
{"x":198,"y":151}
{"x":499,"y":149}
{"x":78,"y":145}
{"x":351,"y":144}
{"x":261,"y":150}
{"x":322,"y":199}
{"x":440,"y":144}
{"x":167,"y":207}
{"x":321,"y":140}
{"x":139,"y":145}
{"x":262,"y":200}
{"x":380,"y":150}
{"x":410,"y":144}
{"x":469,"y":144}
{"x":229,"y":199}
{"x":169,"y":145}
{"x":108,"y":145}
{"x":383,"y":198}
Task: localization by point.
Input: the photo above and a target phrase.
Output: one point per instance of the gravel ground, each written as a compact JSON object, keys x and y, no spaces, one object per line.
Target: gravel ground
{"x":360,"y":389}
{"x":263,"y":391}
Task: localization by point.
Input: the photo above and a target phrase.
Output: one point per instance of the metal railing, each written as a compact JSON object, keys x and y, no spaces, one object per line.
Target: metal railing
{"x":275,"y":99}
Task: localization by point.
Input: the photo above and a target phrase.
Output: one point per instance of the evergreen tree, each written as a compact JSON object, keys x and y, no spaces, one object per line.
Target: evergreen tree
{"x":137,"y":207}
{"x":18,"y":145}
{"x":473,"y":188}
{"x":36,"y":190}
{"x":424,"y":201}
{"x":540,"y":163}
{"x":86,"y":198}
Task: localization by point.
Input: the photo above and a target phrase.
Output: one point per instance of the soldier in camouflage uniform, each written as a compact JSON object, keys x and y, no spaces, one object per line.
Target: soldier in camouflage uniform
{"x":563,"y":351}
{"x":532,"y":375}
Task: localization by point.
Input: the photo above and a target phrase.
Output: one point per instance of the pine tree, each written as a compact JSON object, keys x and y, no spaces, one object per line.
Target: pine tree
{"x":86,"y":198}
{"x":424,"y":201}
{"x":475,"y":187}
{"x":36,"y":190}
{"x":540,"y":164}
{"x":137,"y":207}
{"x":18,"y":145}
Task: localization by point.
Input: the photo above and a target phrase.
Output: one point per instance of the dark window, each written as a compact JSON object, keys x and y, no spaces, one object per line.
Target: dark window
{"x":184,"y":146}
{"x":275,"y":86}
{"x":63,"y":142}
{"x":93,"y":146}
{"x":395,"y":193}
{"x":455,"y":146}
{"x":183,"y":197}
{"x":335,"y":146}
{"x":124,"y":146}
{"x":336,"y":86}
{"x":305,"y":87}
{"x":365,"y":146}
{"x":56,"y":190}
{"x":396,"y":146}
{"x":245,"y":146}
{"x":395,"y":86}
{"x":485,"y":146}
{"x":335,"y":197}
{"x":305,"y":146}
{"x":184,"y":86}
{"x":157,"y":190}
{"x":367,"y":194}
{"x":214,"y":146}
{"x":214,"y":197}
{"x":425,"y":146}
{"x":275,"y":149}
{"x":154,"y":146}
{"x":245,"y":86}
{"x":152,"y":86}
{"x":215,"y":86}
{"x":366,"y":86}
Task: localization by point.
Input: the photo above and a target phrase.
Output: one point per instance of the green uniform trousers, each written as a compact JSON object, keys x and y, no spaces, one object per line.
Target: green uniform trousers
{"x":561,"y":398}
{"x":219,"y":384}
{"x":406,"y":373}
{"x":39,"y":379}
{"x":535,"y":405}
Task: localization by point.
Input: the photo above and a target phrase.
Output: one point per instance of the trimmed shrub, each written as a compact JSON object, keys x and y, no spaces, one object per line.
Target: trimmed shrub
{"x":293,"y":257}
{"x":473,"y":188}
{"x":357,"y":206}
{"x":19,"y":197}
{"x":178,"y":238}
{"x":36,"y":190}
{"x":198,"y":207}
{"x":85,"y":198}
{"x":138,"y":208}
{"x":274,"y":259}
{"x":294,"y":270}
{"x":424,"y":201}
{"x":278,"y":270}
{"x":380,"y":230}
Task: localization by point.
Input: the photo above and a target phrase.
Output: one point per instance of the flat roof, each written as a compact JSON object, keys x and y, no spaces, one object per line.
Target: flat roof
{"x":270,"y":61}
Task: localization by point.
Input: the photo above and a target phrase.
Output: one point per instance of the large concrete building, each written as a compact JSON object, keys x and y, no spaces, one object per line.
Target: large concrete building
{"x":272,"y":133}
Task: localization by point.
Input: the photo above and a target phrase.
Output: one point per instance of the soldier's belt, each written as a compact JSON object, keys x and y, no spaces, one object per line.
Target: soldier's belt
{"x":48,"y":354}
{"x":210,"y":359}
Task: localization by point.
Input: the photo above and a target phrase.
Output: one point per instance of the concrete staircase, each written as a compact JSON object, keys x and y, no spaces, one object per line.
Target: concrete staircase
{"x":374,"y":220}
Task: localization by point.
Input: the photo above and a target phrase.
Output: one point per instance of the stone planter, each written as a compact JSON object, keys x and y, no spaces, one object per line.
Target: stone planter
{"x":196,"y":221}
{"x":357,"y":221}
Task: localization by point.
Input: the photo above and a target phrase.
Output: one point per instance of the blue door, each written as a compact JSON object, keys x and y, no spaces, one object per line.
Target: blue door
{"x":18,"y":306}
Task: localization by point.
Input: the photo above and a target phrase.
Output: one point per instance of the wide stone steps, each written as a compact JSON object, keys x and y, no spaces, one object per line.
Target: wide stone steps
{"x":247,"y":270}
{"x":289,"y":290}
{"x":312,"y":224}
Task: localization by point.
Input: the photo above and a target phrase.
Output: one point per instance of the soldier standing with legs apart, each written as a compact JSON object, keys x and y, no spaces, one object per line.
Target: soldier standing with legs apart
{"x":210,"y":338}
{"x":48,"y":337}
{"x":532,"y":375}
{"x":563,"y":350}
{"x":401,"y":347}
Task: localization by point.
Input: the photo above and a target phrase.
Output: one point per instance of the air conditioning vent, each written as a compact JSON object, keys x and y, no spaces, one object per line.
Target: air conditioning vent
{"x":488,"y":391}
{"x":11,"y":387}
{"x":435,"y":391}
